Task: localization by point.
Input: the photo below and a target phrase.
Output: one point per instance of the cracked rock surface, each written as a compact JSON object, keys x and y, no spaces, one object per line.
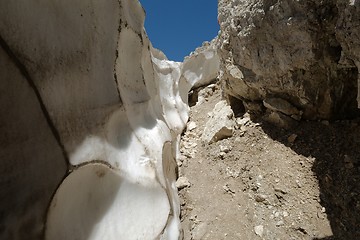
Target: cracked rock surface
{"x":305,"y":52}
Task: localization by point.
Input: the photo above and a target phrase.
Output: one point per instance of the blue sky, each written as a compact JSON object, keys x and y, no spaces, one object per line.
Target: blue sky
{"x":177,"y":27}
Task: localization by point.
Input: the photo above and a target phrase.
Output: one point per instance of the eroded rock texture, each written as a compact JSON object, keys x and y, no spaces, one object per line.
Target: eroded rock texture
{"x":304,"y":52}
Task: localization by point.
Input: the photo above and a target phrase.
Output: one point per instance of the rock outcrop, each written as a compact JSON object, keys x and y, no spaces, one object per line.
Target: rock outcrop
{"x":91,"y":116}
{"x":303,"y":52}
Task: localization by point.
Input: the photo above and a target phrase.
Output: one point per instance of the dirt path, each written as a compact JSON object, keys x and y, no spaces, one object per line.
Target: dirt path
{"x":268,"y":183}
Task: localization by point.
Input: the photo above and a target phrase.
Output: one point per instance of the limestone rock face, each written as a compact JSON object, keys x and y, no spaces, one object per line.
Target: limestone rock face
{"x":90,"y":121}
{"x":304,"y":52}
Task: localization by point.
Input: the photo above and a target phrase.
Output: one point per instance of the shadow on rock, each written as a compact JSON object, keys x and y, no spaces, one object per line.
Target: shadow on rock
{"x":335,"y":148}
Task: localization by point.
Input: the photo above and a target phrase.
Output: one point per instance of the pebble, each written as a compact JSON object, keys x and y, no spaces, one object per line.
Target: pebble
{"x":285,"y":214}
{"x":278,"y":189}
{"x":243,"y":128}
{"x":225,"y":149}
{"x":292,"y":138}
{"x":242,"y":121}
{"x":191,"y":135}
{"x":228,"y":189}
{"x":182,"y":158}
{"x":200,"y":101}
{"x":319,"y":215}
{"x":279,"y":223}
{"x":260,"y":197}
{"x":212,"y":86}
{"x":259,"y":230}
{"x":193,"y":217}
{"x":191,"y":126}
{"x":325,"y":122}
{"x":190,"y":145}
{"x":182,"y":182}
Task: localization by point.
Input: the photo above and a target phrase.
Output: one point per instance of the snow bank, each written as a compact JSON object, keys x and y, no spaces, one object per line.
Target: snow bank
{"x":110,"y":110}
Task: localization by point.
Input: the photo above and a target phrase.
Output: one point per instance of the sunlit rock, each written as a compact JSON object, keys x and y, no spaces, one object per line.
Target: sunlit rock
{"x":220,"y":125}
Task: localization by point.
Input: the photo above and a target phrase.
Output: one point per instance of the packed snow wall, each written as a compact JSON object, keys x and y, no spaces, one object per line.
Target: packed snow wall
{"x":294,"y":59}
{"x":91,"y":116}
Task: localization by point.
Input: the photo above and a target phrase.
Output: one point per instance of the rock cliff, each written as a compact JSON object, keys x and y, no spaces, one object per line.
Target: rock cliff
{"x":302,"y":52}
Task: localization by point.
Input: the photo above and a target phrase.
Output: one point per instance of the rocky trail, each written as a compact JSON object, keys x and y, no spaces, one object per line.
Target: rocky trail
{"x":264,"y":182}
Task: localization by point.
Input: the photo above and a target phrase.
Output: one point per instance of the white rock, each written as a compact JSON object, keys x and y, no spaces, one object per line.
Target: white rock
{"x":212,"y":86}
{"x":242,"y":121}
{"x":279,"y":223}
{"x":191,"y":126}
{"x":220,"y":125}
{"x":201,"y":100}
{"x":285,"y":214}
{"x":182,"y":182}
{"x":259,"y":230}
{"x":225,"y":149}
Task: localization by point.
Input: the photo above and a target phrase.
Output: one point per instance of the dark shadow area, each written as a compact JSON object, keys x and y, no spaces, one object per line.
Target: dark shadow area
{"x":193,"y":97}
{"x":32,"y":157}
{"x":236,"y":105}
{"x":336,"y":149}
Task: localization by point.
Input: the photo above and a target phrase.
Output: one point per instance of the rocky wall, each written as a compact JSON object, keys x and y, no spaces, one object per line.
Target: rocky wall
{"x":299,"y":52}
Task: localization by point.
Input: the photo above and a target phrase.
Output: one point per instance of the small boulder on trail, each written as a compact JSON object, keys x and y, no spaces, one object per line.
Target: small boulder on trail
{"x":220,"y":125}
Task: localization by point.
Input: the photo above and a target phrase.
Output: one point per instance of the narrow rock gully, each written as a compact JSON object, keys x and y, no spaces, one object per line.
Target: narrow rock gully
{"x":263,"y":182}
